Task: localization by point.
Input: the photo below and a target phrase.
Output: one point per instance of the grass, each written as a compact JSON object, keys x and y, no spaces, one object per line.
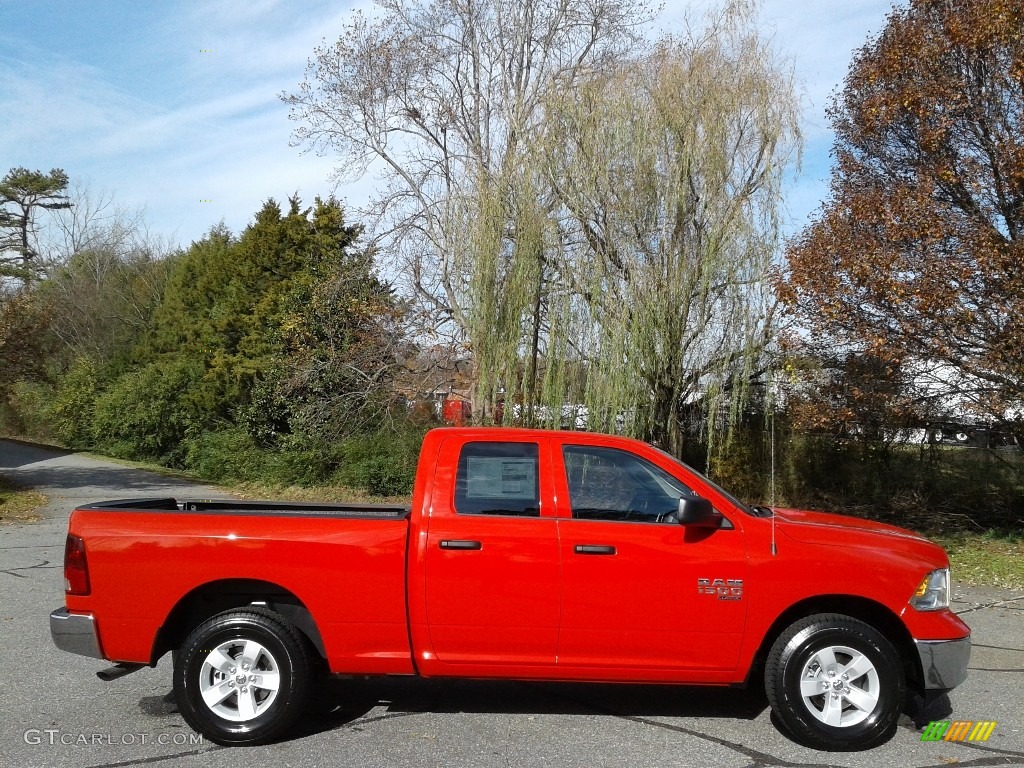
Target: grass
{"x":986,"y":559}
{"x":18,"y":504}
{"x":148,"y":466}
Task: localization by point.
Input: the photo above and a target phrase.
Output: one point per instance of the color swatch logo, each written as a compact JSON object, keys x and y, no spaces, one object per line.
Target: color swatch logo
{"x":958,"y":730}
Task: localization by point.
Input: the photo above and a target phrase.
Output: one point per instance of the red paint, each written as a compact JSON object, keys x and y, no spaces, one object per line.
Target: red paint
{"x":456,"y":412}
{"x":387,"y":598}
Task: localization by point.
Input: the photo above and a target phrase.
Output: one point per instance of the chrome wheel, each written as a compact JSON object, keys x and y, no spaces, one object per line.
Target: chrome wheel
{"x":239,"y":680}
{"x":839,"y":686}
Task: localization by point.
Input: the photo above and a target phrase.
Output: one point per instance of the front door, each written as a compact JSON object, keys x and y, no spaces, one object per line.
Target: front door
{"x":633,"y":596}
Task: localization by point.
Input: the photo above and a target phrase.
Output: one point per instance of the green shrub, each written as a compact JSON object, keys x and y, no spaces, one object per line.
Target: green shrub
{"x":233,"y":454}
{"x":26,"y":411}
{"x":147,"y":413}
{"x":382,"y":463}
{"x":74,"y":405}
{"x":230,"y":454}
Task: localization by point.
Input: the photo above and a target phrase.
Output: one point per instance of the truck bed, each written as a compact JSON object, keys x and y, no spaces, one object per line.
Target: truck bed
{"x":247,"y":507}
{"x":345,"y":563}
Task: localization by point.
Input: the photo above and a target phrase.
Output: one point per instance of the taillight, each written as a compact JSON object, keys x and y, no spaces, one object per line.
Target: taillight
{"x":76,"y":569}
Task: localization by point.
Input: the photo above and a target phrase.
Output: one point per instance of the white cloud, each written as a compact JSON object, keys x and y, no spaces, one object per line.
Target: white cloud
{"x":200,"y":126}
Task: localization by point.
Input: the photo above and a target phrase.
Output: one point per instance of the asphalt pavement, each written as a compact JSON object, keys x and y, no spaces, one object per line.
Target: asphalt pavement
{"x":55,"y":712}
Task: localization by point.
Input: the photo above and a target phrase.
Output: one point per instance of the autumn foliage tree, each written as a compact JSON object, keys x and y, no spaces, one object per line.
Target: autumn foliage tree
{"x":24,"y":342}
{"x":917,"y":258}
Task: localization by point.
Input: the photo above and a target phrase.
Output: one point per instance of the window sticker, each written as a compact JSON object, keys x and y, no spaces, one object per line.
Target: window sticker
{"x":490,"y":477}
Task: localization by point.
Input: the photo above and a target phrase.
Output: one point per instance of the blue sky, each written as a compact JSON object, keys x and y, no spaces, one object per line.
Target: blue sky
{"x":169,"y":105}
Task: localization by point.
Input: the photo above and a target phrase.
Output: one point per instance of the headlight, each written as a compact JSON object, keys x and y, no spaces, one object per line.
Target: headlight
{"x":933,"y":592}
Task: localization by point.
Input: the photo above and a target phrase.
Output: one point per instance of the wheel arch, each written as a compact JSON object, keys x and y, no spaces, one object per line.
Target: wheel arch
{"x":215,"y":597}
{"x":864,"y":609}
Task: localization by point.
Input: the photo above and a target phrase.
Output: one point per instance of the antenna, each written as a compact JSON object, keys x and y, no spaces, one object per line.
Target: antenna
{"x":771,"y":419}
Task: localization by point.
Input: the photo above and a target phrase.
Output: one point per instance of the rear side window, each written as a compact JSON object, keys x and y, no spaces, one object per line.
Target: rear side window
{"x":498,"y":479}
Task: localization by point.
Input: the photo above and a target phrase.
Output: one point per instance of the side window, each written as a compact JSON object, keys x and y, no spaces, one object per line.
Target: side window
{"x":609,"y":484}
{"x":498,"y":479}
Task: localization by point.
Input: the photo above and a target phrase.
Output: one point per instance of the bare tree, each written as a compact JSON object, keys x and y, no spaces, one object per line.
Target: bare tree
{"x":105,"y":271}
{"x":445,"y":97}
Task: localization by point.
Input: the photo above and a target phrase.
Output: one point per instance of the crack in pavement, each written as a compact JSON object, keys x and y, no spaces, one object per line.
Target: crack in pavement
{"x":192,"y":753}
{"x":997,"y":647}
{"x":992,"y":604}
{"x":45,"y":565}
{"x":759,"y":758}
{"x":367,"y":721}
{"x":764,"y":760}
{"x":986,"y":748}
{"x":981,"y":761}
{"x":156,"y":759}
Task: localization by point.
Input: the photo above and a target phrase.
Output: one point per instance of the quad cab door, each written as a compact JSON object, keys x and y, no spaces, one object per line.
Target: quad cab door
{"x":491,"y":558}
{"x":643,"y":597}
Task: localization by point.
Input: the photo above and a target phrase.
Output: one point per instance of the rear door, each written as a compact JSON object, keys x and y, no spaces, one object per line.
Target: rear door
{"x":492,"y":561}
{"x":634,"y":599}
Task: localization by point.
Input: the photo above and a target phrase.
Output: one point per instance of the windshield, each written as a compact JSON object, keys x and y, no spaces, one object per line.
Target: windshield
{"x":739,"y":504}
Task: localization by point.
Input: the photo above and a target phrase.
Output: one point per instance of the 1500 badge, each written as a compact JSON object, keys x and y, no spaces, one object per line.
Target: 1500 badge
{"x":726,"y":589}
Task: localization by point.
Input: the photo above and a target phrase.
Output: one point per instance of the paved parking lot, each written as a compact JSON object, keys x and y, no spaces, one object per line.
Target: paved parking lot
{"x":55,"y":712}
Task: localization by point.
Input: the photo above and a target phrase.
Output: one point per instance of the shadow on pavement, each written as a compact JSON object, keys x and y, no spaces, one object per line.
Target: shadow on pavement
{"x":344,"y":702}
{"x":122,"y":481}
{"x":20,"y":453}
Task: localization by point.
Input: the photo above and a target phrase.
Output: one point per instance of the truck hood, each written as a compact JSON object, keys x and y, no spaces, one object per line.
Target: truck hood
{"x":823,"y":527}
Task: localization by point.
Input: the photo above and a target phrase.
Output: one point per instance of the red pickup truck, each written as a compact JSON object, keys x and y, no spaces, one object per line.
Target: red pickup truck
{"x":525,"y":555}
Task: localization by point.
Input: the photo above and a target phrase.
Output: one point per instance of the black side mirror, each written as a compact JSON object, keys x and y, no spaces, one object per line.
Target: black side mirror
{"x":698,"y":512}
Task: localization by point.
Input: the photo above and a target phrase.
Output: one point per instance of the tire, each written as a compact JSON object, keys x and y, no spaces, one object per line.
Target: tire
{"x":243,"y":677}
{"x":807,"y":690}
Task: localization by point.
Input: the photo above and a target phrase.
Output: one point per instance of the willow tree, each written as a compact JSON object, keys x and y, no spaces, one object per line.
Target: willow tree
{"x":445,"y":99}
{"x":668,"y":173}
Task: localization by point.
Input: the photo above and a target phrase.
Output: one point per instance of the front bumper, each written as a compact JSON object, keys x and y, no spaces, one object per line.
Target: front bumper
{"x":943,"y":662}
{"x":75,"y":633}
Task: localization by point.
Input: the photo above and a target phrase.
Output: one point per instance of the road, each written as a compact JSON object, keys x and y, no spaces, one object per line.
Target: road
{"x":55,"y":712}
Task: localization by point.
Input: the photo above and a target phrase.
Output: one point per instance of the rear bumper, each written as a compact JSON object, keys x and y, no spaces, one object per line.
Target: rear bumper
{"x":75,"y":633}
{"x":943,"y":662}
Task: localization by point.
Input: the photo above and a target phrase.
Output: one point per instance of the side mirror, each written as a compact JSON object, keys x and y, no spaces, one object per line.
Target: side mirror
{"x":698,"y":512}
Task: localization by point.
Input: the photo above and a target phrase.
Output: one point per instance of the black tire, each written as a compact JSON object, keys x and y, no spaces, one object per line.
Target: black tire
{"x":857,"y":712}
{"x":251,"y":711}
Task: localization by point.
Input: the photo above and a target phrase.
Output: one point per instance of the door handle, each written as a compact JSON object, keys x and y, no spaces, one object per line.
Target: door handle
{"x":460,"y":544}
{"x":594,"y":549}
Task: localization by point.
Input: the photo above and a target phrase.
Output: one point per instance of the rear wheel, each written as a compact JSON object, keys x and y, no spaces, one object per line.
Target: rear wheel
{"x":242,"y":677}
{"x":835,"y":682}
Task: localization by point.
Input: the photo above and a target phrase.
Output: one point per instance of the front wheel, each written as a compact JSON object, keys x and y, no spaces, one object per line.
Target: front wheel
{"x":836,"y":683}
{"x":242,"y":677}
